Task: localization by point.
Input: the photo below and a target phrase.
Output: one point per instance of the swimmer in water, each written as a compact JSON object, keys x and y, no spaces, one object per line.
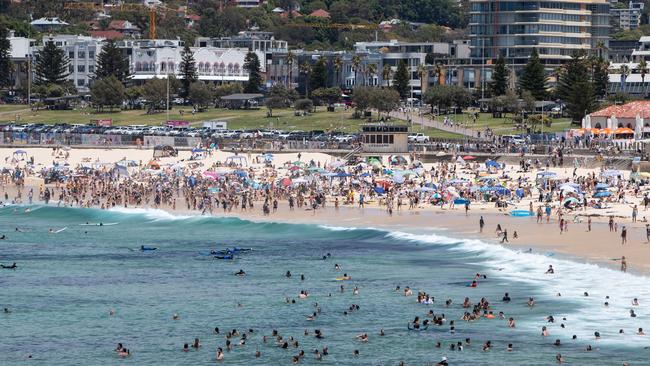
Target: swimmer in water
{"x":240,"y":273}
{"x":550,"y":270}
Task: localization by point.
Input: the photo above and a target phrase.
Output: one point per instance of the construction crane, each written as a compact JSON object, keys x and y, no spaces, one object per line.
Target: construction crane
{"x":100,"y":6}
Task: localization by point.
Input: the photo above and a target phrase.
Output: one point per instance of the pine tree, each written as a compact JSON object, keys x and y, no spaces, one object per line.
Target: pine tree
{"x":252,"y":66}
{"x":401,"y":80}
{"x":318,"y":75}
{"x":576,"y":87}
{"x":112,"y":62}
{"x":601,"y":76}
{"x":51,"y":66}
{"x":533,"y":77}
{"x":500,"y":76}
{"x":187,"y":71}
{"x":6,"y":66}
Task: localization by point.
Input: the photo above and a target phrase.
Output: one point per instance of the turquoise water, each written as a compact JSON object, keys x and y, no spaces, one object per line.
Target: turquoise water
{"x":66,"y":283}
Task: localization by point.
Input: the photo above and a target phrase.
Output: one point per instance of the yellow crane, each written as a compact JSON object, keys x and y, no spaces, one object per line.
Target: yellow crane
{"x":100,"y":6}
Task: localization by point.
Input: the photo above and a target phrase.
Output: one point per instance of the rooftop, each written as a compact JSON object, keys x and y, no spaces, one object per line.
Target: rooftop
{"x":628,"y":110}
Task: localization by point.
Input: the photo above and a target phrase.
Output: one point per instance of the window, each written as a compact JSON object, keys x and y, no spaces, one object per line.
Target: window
{"x":81,"y":68}
{"x":81,"y":82}
{"x":70,"y":69}
{"x":71,"y":54}
{"x":91,"y":54}
{"x":91,"y":68}
{"x":81,"y":54}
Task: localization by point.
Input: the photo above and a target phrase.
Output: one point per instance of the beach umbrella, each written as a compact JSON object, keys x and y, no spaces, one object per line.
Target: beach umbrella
{"x":436,"y":195}
{"x":602,"y":186}
{"x":399,"y":179}
{"x":299,"y":180}
{"x":469,"y":157}
{"x":623,"y":131}
{"x":602,"y":194}
{"x":380,"y":190}
{"x":285,"y":182}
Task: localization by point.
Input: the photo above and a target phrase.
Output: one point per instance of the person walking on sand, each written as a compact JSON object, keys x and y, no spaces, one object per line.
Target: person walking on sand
{"x":505,"y":236}
{"x":635,"y":212}
{"x":623,"y":264}
{"x":623,"y":235}
{"x":647,"y":233}
{"x":589,"y":223}
{"x":481,"y":224}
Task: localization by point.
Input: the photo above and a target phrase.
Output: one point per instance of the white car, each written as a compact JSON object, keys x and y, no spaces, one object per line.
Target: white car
{"x":344,"y":138}
{"x":419,"y":138}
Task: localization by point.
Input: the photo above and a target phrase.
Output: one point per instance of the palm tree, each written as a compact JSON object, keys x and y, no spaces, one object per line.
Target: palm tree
{"x":371,"y":70}
{"x":305,"y":69}
{"x":356,"y":62}
{"x":438,"y":71}
{"x":291,"y":59}
{"x":422,"y":70}
{"x":338,"y":65}
{"x":625,"y":71}
{"x":387,"y":73}
{"x":643,"y":69}
{"x":600,"y":46}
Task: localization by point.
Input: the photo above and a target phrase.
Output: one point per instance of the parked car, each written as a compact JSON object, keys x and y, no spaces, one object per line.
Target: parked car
{"x":418,"y":138}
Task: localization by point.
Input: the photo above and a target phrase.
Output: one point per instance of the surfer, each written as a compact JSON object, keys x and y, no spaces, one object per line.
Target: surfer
{"x":550,"y":270}
{"x":12,"y":266}
{"x":240,"y":273}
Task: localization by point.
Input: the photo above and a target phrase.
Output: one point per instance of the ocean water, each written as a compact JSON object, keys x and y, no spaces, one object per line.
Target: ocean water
{"x":66,"y":283}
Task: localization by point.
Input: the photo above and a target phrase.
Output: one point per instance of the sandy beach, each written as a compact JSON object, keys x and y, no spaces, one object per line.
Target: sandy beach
{"x":600,"y":246}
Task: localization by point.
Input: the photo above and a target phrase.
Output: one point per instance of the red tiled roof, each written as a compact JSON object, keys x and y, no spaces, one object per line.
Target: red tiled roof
{"x":116,"y":24}
{"x":628,"y":110}
{"x":294,"y":13}
{"x":320,"y":13}
{"x":108,"y":34}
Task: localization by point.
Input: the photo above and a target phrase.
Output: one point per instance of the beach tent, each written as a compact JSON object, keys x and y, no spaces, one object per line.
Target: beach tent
{"x":380,"y":190}
{"x":237,"y":160}
{"x":163,"y":151}
{"x":602,"y":194}
{"x":492,"y":164}
{"x":397,"y":160}
{"x":610,"y":173}
{"x":602,"y":186}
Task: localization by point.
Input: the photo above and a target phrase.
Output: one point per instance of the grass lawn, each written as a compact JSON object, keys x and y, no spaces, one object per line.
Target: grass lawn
{"x":11,"y":108}
{"x":505,"y":125}
{"x":283,"y":119}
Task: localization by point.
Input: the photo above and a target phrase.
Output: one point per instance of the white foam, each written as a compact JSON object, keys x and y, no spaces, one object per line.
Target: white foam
{"x":154,"y":214}
{"x":571,"y":280}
